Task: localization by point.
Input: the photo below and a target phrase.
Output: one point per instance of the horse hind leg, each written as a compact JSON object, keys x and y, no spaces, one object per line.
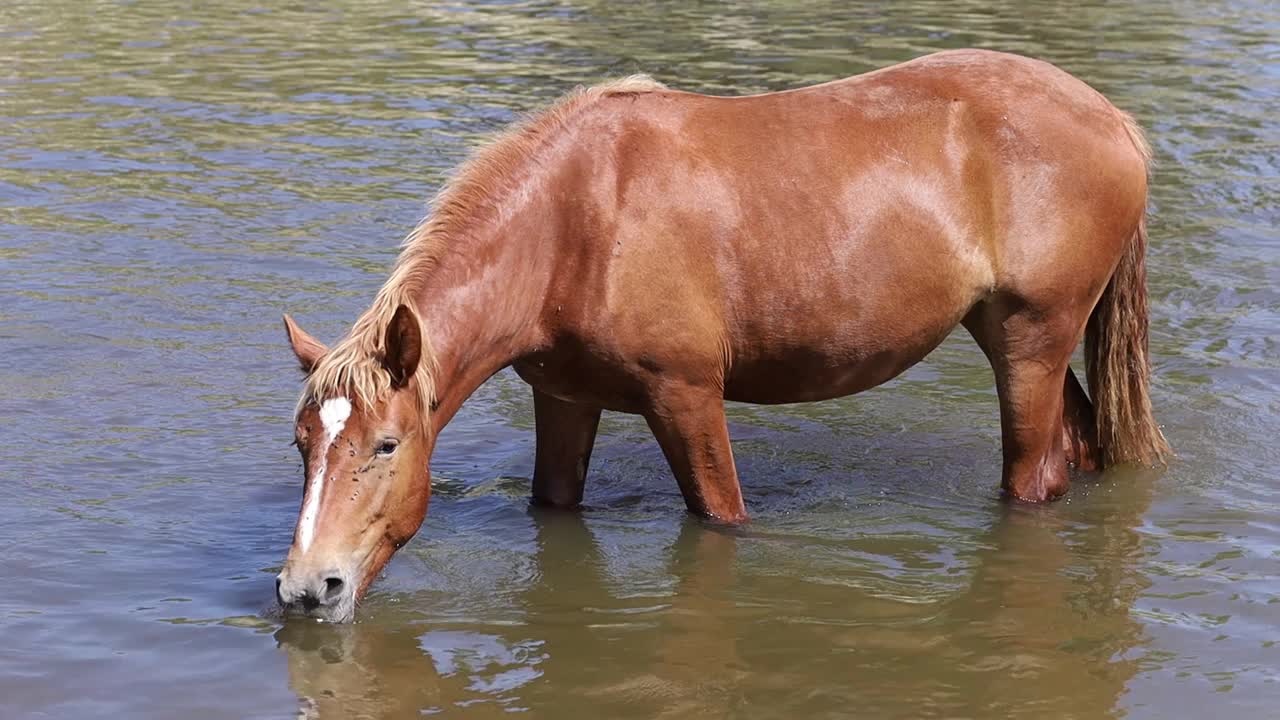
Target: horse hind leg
{"x":1079,"y":429}
{"x":1030,"y":352}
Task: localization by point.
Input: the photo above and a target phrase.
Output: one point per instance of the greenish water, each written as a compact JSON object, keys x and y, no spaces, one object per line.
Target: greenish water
{"x":174,"y":176}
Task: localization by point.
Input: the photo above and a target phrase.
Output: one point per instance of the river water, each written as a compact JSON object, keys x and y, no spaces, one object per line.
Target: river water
{"x":173,"y":177}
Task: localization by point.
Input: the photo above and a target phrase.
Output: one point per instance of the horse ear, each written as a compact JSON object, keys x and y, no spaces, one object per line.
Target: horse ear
{"x":308,"y":349}
{"x":404,"y":346}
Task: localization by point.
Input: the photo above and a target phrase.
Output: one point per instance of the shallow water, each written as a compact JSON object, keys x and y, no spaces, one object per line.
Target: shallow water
{"x":172,"y":179}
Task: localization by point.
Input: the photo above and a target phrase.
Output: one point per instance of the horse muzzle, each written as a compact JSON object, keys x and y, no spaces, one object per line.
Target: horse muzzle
{"x":327,"y":595}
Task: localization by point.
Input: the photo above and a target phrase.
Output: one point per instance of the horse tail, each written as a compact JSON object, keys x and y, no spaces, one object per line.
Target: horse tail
{"x":1116,"y":352}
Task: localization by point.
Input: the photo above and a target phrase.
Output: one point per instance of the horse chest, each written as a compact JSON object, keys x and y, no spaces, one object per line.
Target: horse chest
{"x":581,"y":377}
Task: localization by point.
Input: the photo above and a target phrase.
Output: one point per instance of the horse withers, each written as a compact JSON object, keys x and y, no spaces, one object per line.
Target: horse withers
{"x":650,"y":251}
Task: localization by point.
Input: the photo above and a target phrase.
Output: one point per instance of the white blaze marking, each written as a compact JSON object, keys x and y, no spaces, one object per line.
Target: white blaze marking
{"x":333,"y":415}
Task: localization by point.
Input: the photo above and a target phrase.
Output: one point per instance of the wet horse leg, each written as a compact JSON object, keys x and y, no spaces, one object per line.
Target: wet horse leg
{"x":565,"y":433}
{"x":1030,"y":352}
{"x":1079,"y":431}
{"x":690,"y":426}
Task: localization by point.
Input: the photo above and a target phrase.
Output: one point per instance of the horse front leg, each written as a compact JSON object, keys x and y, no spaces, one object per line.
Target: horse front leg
{"x":565,"y":434}
{"x":690,"y":426}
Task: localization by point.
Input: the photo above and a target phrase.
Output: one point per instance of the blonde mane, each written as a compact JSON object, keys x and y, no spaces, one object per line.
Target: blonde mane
{"x":353,"y":368}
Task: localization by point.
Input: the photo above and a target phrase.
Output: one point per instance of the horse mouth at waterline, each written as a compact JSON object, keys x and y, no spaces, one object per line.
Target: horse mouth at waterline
{"x":648,"y":251}
{"x":322,"y":604}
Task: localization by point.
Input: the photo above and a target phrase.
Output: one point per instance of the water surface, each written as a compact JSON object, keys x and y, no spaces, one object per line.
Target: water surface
{"x":174,"y":177}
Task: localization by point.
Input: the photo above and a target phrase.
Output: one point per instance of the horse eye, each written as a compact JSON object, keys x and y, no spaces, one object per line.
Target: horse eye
{"x":387,"y":447}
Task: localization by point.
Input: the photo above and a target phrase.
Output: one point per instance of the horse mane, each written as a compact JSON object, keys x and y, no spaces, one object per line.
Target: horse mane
{"x":353,"y":367}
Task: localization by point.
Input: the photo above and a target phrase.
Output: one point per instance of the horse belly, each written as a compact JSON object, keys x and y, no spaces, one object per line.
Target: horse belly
{"x":821,"y":371}
{"x":850,"y":328}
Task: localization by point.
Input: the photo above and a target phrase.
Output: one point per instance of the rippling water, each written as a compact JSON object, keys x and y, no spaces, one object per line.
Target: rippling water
{"x":173,"y":177}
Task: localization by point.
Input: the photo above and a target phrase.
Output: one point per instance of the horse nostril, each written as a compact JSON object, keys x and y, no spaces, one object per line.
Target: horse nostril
{"x":311,"y":595}
{"x":332,"y":588}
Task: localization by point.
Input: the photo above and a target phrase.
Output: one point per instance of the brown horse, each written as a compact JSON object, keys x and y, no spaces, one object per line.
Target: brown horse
{"x":651,"y":251}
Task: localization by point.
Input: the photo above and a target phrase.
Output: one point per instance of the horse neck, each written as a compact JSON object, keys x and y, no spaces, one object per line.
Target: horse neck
{"x":482,"y":301}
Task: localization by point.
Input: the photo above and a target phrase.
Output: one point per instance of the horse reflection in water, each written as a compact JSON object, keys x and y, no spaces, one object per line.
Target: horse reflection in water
{"x":381,"y":670}
{"x":1044,"y":627}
